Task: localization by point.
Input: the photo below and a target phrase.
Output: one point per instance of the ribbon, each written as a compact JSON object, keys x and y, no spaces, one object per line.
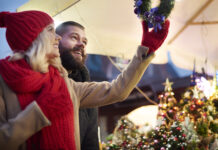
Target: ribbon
{"x":153,"y":19}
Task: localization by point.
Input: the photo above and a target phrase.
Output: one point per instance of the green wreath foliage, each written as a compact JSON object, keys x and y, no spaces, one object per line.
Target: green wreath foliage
{"x":164,"y":8}
{"x":154,"y":16}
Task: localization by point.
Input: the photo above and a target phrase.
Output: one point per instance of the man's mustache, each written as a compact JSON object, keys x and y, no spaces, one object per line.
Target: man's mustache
{"x":77,"y":48}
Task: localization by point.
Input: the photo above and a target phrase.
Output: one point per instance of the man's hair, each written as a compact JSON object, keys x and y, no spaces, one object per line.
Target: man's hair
{"x":61,"y":29}
{"x":37,"y":54}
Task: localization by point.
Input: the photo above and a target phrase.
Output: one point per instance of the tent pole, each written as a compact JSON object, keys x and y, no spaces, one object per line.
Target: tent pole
{"x":204,"y":23}
{"x":65,"y":8}
{"x":190,"y":20}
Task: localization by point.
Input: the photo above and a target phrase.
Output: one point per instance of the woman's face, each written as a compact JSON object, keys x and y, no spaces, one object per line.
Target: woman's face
{"x":54,"y":41}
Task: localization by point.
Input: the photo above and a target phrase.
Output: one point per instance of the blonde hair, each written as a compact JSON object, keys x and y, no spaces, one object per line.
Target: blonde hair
{"x":37,"y":54}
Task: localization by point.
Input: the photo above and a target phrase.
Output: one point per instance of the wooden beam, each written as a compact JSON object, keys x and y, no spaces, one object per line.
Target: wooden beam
{"x":190,"y":20}
{"x":204,"y":23}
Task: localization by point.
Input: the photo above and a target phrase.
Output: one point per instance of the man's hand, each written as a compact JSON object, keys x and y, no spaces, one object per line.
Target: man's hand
{"x":153,"y":40}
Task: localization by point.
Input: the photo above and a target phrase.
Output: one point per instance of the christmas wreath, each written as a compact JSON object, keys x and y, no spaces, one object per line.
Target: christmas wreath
{"x":153,"y":16}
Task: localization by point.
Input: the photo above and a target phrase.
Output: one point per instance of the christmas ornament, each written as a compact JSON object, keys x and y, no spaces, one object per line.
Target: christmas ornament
{"x":168,"y":85}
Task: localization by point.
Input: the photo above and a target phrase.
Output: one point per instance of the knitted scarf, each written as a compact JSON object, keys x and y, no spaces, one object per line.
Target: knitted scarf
{"x":50,"y":92}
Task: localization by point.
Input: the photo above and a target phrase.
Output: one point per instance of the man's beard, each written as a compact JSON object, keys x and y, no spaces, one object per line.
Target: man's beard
{"x":69,"y":62}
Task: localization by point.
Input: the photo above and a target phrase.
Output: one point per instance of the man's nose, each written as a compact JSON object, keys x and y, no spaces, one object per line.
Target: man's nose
{"x":82,"y":44}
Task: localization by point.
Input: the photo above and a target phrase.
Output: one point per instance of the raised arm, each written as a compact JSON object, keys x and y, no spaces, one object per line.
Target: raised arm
{"x":103,"y":93}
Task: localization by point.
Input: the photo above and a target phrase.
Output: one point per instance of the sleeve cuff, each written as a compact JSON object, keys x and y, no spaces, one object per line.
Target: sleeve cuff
{"x":142,"y":52}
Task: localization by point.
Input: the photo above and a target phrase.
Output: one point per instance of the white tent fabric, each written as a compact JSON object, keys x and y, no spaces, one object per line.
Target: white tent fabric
{"x":144,"y":115}
{"x":113,"y":29}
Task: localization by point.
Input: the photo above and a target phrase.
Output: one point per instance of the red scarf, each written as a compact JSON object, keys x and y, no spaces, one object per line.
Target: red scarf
{"x":51,"y":93}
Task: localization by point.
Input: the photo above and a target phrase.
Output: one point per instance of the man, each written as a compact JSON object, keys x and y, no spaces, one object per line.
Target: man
{"x":73,"y":55}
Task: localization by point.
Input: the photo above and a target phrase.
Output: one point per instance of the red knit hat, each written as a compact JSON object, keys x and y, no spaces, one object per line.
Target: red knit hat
{"x":23,"y":27}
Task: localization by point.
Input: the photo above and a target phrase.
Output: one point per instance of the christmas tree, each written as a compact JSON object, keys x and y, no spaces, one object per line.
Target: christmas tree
{"x":167,"y":103}
{"x":191,"y":123}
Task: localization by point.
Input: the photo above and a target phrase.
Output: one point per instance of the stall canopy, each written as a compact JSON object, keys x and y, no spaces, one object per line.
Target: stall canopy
{"x":113,"y":29}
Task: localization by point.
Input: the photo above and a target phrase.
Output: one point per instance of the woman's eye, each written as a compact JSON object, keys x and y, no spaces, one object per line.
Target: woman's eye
{"x":50,"y":29}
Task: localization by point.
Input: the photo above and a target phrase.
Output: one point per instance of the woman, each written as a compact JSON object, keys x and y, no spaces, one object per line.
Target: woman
{"x":38,"y":103}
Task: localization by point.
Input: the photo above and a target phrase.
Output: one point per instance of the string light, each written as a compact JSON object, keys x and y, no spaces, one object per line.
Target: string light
{"x":204,"y":85}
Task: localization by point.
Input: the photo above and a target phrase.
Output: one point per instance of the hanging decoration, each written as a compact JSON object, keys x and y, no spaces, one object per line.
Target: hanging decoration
{"x":153,"y":16}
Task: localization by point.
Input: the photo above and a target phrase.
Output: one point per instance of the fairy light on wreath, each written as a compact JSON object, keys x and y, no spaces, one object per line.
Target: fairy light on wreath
{"x":154,"y":16}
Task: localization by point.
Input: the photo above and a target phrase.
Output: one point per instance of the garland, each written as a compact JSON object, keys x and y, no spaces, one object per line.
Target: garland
{"x":153,"y":16}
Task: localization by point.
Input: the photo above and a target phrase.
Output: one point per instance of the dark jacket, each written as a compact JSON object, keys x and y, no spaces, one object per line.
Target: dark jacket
{"x":87,"y":116}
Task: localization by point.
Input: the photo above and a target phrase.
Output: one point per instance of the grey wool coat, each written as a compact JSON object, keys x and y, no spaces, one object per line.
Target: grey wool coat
{"x":17,"y":125}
